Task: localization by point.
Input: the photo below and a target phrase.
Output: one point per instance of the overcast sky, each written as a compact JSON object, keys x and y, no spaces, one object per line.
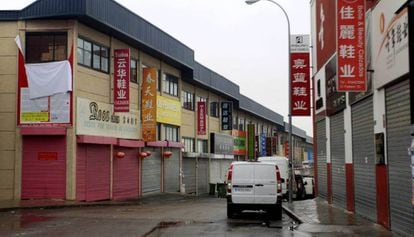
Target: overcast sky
{"x":247,"y":44}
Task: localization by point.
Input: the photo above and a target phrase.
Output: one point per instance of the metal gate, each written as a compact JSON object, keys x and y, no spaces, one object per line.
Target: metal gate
{"x":189,"y":169}
{"x":338,"y":160}
{"x":151,"y":173}
{"x":364,"y":158}
{"x":321,"y":158}
{"x":172,"y":172}
{"x":397,"y":99}
{"x":202,"y":175}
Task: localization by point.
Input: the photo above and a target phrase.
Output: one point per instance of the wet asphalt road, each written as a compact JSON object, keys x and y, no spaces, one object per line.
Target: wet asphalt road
{"x":164,"y":216}
{"x":187,"y":217}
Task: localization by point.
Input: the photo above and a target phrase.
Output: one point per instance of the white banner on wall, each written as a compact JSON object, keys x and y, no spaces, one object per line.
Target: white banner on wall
{"x":98,"y":119}
{"x":390,"y":47}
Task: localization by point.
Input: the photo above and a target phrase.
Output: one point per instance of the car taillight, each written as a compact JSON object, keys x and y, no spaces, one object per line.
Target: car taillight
{"x":229,"y":176}
{"x":278,"y":180}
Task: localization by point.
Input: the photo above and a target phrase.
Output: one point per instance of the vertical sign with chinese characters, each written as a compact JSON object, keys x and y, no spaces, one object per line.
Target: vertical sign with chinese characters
{"x":121,"y":80}
{"x":149,"y":104}
{"x":350,"y":36}
{"x":226,"y":115}
{"x":201,"y":113}
{"x":300,"y":75}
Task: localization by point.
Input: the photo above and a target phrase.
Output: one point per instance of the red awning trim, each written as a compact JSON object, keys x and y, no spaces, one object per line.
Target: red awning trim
{"x":175,"y":144}
{"x":43,"y":131}
{"x":130,"y":143}
{"x":96,"y":140}
{"x":157,"y":144}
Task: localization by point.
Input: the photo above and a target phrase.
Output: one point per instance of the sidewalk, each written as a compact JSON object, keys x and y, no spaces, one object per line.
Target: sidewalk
{"x":51,"y":203}
{"x":317,"y":216}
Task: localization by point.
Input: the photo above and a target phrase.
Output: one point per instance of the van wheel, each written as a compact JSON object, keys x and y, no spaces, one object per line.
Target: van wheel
{"x":230,"y":211}
{"x":276,"y":212}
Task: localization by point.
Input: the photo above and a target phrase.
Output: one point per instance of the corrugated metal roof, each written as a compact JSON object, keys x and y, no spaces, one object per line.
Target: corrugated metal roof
{"x":110,"y":17}
{"x":296,"y":131}
{"x":257,"y":109}
{"x":213,"y":80}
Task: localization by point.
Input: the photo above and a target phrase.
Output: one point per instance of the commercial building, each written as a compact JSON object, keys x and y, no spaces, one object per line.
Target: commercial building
{"x":363,"y":141}
{"x":78,"y":125}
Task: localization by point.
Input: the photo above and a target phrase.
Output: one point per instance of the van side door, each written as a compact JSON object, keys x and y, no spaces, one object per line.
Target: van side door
{"x":265,"y":187}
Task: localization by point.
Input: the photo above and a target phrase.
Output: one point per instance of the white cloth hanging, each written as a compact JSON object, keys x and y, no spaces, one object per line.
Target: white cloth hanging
{"x":46,"y":79}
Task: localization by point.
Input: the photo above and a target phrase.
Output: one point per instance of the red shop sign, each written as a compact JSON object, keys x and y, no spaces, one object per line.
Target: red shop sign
{"x":300,"y":84}
{"x":121,"y":80}
{"x":351,"y":50}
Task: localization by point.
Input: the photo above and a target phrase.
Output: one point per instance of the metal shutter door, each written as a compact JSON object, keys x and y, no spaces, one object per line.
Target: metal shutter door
{"x":321,"y":158}
{"x":364,"y":159}
{"x":189,"y":169}
{"x":151,"y":173}
{"x":397,"y":100}
{"x":202,"y":176}
{"x":338,"y":160}
{"x":125,"y":174}
{"x":172,"y":172}
{"x":98,"y":172}
{"x":43,"y":177}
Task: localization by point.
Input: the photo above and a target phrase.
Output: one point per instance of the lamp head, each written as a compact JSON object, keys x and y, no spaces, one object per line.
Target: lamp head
{"x":250,"y":2}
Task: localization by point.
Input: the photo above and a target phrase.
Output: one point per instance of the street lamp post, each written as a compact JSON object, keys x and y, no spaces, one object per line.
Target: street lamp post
{"x":291,"y":175}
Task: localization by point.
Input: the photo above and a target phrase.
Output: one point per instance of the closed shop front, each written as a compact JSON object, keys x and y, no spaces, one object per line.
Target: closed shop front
{"x":364,"y":158}
{"x":44,"y":167}
{"x":397,"y":99}
{"x":321,"y":158}
{"x":202,"y":176}
{"x":151,"y":173}
{"x":189,"y":169}
{"x":125,"y":174}
{"x":93,"y":172}
{"x":172,"y":172}
{"x":338,"y":159}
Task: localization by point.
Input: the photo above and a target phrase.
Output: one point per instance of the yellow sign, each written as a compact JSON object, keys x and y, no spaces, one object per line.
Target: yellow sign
{"x":168,"y":111}
{"x":35,"y":117}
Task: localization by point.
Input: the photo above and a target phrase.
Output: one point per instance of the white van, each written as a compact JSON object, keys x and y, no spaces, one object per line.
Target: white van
{"x":254,"y":186}
{"x":283,"y":164}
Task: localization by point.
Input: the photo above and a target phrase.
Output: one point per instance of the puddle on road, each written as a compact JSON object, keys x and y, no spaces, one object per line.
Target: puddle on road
{"x":27,"y":219}
{"x":167,"y":224}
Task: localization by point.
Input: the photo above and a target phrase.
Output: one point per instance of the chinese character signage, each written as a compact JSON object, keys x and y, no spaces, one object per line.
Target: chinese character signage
{"x":201,"y":118}
{"x":325,"y":32}
{"x":262,"y":144}
{"x":300,"y":75}
{"x":335,"y":101}
{"x":350,"y":35}
{"x":121,"y":80}
{"x":240,"y":137}
{"x":251,"y":141}
{"x":226,"y":115}
{"x":391,"y":45}
{"x":97,"y":119}
{"x":149,"y":104}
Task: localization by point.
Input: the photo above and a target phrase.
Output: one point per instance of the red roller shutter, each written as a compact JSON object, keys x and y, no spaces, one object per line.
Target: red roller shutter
{"x":44,"y":167}
{"x":125,"y":174}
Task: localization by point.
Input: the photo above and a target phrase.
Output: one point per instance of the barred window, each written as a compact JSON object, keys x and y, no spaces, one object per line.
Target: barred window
{"x":171,"y":133}
{"x":214,"y":109}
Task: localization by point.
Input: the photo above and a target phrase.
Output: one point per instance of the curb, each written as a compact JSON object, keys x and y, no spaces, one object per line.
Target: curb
{"x":292,"y":214}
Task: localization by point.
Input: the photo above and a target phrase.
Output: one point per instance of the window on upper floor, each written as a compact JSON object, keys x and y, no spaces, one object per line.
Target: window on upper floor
{"x":170,"y":84}
{"x":187,"y":99}
{"x":134,"y":71}
{"x":202,"y":146}
{"x":46,"y":46}
{"x":188,"y":144}
{"x":214,"y":109}
{"x":171,"y":133}
{"x":93,"y":55}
